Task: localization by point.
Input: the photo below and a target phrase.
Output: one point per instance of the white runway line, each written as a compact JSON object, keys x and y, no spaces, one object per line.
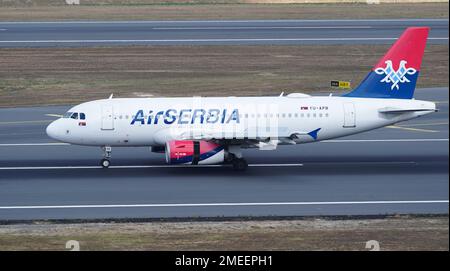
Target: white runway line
{"x":54,"y":115}
{"x":25,"y":122}
{"x":34,"y":144}
{"x":229,"y":21}
{"x":387,"y":140}
{"x":411,"y":129}
{"x":259,"y":27}
{"x":203,"y":40}
{"x":325,"y":141}
{"x":231,"y":204}
{"x":145,"y":166}
{"x":424,"y":124}
{"x":205,"y":166}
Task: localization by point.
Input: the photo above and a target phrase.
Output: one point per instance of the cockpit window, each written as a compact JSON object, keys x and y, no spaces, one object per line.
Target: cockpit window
{"x":74,"y":115}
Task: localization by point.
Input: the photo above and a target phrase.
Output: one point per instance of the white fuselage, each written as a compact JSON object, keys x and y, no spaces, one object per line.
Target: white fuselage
{"x":154,"y":121}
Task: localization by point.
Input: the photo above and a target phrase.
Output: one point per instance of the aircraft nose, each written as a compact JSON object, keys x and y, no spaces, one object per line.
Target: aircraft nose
{"x":53,"y":130}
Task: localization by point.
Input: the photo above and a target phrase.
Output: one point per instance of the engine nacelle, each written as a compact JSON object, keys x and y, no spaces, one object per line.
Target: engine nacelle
{"x":192,"y":152}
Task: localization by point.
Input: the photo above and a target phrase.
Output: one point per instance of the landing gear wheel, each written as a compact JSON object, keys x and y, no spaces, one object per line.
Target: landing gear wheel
{"x":105,"y":163}
{"x":230,"y":158}
{"x":239,"y":164}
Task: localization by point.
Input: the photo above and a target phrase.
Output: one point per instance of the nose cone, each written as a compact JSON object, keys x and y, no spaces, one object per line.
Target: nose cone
{"x":53,"y":130}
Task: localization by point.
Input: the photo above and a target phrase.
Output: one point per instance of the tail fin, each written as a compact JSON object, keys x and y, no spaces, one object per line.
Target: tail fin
{"x":395,"y":75}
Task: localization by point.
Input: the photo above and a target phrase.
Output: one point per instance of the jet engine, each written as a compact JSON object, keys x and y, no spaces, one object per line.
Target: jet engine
{"x":193,"y":152}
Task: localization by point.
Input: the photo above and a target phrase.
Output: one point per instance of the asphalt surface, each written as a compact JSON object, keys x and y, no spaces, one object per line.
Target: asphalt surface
{"x":110,"y":33}
{"x":402,"y":169}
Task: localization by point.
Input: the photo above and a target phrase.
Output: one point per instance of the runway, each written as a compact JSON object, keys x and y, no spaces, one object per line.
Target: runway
{"x":400,"y":169}
{"x":110,"y":33}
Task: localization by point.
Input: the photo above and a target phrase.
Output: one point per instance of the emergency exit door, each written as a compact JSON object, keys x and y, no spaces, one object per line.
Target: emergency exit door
{"x":107,"y":117}
{"x":349,"y":115}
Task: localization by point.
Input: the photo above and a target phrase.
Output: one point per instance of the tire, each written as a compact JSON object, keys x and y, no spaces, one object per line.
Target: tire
{"x":240,"y":164}
{"x":230,"y":158}
{"x":105,"y":163}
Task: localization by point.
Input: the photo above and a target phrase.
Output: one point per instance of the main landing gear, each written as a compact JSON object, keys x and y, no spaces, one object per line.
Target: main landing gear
{"x":105,"y":162}
{"x":234,"y":157}
{"x":239,"y":164}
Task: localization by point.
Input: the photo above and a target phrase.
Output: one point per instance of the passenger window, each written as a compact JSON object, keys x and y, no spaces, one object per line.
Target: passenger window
{"x":74,"y":116}
{"x":82,"y":116}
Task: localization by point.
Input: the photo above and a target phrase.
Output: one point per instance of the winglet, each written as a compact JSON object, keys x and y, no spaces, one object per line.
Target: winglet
{"x":313,"y":134}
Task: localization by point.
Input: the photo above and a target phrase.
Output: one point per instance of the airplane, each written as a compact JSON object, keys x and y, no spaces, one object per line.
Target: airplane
{"x":214,"y":130}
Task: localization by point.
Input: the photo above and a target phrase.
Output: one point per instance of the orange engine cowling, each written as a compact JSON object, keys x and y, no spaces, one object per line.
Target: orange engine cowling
{"x":193,"y":152}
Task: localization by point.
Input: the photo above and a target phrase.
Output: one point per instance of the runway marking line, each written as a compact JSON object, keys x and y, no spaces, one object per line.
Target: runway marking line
{"x":411,"y":129}
{"x":25,"y":121}
{"x":259,"y":27}
{"x":324,"y":141}
{"x":228,"y":21}
{"x":34,"y":144}
{"x":207,"y":166}
{"x":54,"y":115}
{"x":146,"y":166}
{"x":232,"y":204}
{"x":387,"y":140}
{"x":206,"y":40}
{"x":424,"y":124}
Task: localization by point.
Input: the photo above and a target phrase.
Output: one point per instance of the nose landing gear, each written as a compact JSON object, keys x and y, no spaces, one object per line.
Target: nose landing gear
{"x":105,"y":162}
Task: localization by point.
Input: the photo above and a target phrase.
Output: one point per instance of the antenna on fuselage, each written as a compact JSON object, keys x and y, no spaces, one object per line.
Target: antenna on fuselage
{"x":111,"y":96}
{"x":281,"y":94}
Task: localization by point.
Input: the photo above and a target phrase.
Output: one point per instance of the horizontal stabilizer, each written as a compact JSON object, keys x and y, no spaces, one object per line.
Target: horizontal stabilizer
{"x":393,"y":110}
